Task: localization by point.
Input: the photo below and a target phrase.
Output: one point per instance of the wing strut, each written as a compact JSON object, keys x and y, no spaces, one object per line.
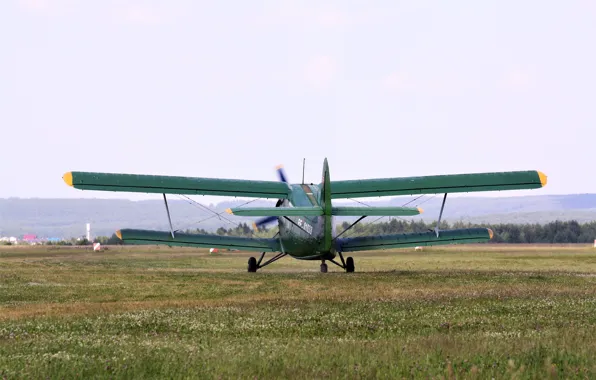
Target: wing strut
{"x":168,"y":211}
{"x":440,"y":215}
{"x":350,"y":226}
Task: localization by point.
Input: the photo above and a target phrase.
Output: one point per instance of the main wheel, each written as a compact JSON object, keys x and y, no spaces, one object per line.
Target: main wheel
{"x":350,"y":265}
{"x":323,"y":268}
{"x":252,"y":264}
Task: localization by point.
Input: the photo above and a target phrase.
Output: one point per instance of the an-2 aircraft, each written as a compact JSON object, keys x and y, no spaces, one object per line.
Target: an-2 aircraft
{"x":304,"y":212}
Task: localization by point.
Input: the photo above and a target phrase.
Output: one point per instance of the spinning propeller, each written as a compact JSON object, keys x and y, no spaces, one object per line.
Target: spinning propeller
{"x":263,"y":221}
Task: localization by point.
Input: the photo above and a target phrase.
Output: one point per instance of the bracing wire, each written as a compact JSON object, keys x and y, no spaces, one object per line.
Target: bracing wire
{"x":426,"y":200}
{"x":404,"y":205}
{"x":215,"y":213}
{"x":415,"y":199}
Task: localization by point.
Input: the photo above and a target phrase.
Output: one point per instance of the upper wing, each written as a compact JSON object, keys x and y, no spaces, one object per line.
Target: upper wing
{"x":176,"y":185}
{"x":129,"y":236}
{"x":454,"y":183}
{"x":367,"y":243}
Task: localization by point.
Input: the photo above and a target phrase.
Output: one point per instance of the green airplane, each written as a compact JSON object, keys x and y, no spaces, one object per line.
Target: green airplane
{"x":304,"y":212}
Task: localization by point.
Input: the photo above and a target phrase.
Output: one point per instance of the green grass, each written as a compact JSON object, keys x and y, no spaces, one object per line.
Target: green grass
{"x":145,"y":312}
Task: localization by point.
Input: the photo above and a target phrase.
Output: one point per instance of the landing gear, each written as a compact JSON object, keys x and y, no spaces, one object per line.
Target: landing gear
{"x":323,"y":267}
{"x":253,"y":264}
{"x":350,"y":265}
{"x":347,"y":264}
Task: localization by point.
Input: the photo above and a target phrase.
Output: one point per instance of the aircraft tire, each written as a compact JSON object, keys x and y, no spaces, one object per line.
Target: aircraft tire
{"x":324,"y":268}
{"x":350,"y":265}
{"x":252,"y":264}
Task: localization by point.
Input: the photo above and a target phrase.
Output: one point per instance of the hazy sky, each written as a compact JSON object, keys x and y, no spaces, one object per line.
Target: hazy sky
{"x":232,"y":88}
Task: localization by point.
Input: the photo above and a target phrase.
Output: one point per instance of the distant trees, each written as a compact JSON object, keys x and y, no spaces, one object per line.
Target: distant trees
{"x":242,"y":229}
{"x":72,"y":241}
{"x":104,"y":240}
{"x":554,"y":232}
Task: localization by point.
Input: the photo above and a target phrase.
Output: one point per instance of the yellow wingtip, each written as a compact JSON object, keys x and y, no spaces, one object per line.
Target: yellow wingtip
{"x":119,"y":234}
{"x":254,"y":225}
{"x":543,"y":178}
{"x":420,"y":211}
{"x":67,"y":177}
{"x":280,"y":166}
{"x":490,"y":233}
{"x":229,"y":211}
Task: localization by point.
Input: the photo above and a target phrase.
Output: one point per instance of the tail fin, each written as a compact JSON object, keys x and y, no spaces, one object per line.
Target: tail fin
{"x":326,"y":205}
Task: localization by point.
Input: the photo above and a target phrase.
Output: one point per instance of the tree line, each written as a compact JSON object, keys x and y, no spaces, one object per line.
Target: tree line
{"x":553,"y":232}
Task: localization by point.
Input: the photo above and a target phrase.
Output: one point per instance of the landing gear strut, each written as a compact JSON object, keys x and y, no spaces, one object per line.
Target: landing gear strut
{"x":347,"y":264}
{"x":253,"y":264}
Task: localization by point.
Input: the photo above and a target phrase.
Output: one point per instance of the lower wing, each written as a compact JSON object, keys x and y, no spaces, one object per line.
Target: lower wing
{"x":461,"y":236}
{"x":129,"y":236}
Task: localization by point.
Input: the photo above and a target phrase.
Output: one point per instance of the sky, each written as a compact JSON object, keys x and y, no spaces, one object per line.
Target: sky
{"x":231,"y":89}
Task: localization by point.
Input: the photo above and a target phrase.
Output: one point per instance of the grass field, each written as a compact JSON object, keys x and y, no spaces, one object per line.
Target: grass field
{"x":145,"y":312}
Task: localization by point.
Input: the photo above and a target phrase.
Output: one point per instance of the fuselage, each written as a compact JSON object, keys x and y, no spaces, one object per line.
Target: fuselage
{"x":309,"y":237}
{"x":303,"y":237}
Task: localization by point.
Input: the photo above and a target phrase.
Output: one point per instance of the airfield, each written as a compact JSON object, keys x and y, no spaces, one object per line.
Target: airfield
{"x":470,"y":311}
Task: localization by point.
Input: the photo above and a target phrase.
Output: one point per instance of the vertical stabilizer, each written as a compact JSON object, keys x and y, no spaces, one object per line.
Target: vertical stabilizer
{"x":326,"y":205}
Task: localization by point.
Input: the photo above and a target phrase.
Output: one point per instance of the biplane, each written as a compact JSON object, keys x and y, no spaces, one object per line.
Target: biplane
{"x":304,"y":212}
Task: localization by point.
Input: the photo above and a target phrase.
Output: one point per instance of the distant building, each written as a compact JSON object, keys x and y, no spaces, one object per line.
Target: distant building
{"x":30,"y":238}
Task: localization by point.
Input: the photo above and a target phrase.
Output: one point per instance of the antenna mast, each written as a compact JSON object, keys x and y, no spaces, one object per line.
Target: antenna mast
{"x":303,"y":164}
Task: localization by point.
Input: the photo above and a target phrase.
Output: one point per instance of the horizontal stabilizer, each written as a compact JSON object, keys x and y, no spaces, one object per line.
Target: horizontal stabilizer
{"x":366,"y":243}
{"x":436,"y":184}
{"x":130,"y":236}
{"x":276,"y":211}
{"x":141,"y":183}
{"x":318,"y":211}
{"x":376,"y":211}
